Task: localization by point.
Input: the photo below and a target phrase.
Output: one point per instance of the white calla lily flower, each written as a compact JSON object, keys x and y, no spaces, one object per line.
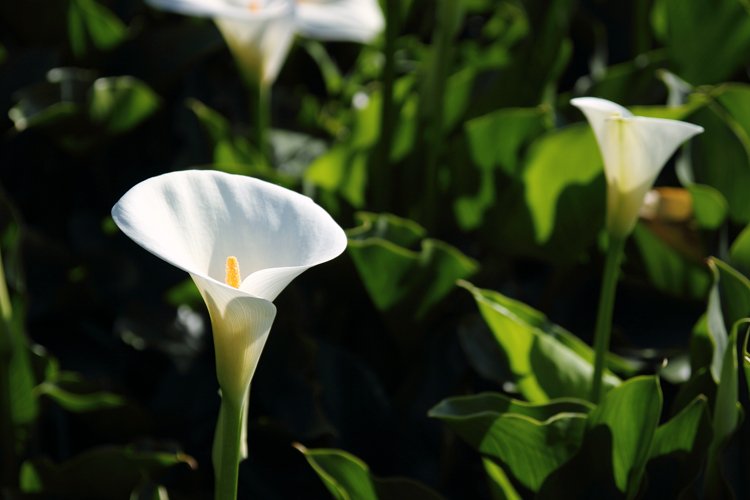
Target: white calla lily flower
{"x":216,"y":226}
{"x":634,"y":150}
{"x":260,"y":32}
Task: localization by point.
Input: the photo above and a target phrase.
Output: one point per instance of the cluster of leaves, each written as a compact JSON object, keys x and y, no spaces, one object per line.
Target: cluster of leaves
{"x":450,"y":151}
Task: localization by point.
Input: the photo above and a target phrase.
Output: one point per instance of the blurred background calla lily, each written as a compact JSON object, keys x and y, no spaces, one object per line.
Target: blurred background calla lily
{"x":260,"y":32}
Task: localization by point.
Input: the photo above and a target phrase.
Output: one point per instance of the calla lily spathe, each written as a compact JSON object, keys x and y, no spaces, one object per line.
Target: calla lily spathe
{"x":196,"y":219}
{"x":634,"y":150}
{"x":260,"y":32}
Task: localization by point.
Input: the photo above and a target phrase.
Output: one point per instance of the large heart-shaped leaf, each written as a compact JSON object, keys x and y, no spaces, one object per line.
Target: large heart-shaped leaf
{"x":631,"y":413}
{"x":546,"y":361}
{"x":529,"y":440}
{"x":401,"y":280}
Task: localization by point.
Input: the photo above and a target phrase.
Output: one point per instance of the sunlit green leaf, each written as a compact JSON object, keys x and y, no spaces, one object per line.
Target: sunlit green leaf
{"x":500,"y":486}
{"x":561,"y":184}
{"x":543,"y":366}
{"x":559,"y":161}
{"x":529,"y":440}
{"x":348,"y":478}
{"x":400,"y":278}
{"x":343,"y":171}
{"x":495,"y":142}
{"x":631,"y":412}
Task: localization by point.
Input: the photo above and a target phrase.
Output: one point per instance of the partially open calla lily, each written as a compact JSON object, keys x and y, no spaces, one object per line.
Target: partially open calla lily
{"x":208,"y":223}
{"x":259,"y":32}
{"x":634,"y":150}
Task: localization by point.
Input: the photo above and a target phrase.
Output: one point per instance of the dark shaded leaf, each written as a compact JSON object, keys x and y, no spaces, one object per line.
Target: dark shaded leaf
{"x":348,"y":478}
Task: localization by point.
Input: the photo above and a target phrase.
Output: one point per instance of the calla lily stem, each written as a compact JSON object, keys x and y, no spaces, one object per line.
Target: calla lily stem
{"x":228,"y":460}
{"x":604,"y":315}
{"x":261,"y":117}
{"x":449,"y":19}
{"x":381,"y":170}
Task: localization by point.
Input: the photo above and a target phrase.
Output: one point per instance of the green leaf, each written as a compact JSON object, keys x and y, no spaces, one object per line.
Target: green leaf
{"x":106,"y":472}
{"x":529,"y":440}
{"x":92,"y":26}
{"x":328,"y":69}
{"x":631,"y":412}
{"x":728,"y":302}
{"x":721,"y":155}
{"x":668,"y":269}
{"x":709,"y":206}
{"x":697,"y":31}
{"x":500,"y":486}
{"x":348,"y":478}
{"x":341,"y":170}
{"x":686,"y":432}
{"x":495,"y":143}
{"x":544,"y":365}
{"x":120,"y":103}
{"x":679,"y":449}
{"x":561,"y":184}
{"x":559,"y":160}
{"x":746,"y":359}
{"x":459,"y":407}
{"x":727,"y":410}
{"x":739,"y":253}
{"x":629,"y":81}
{"x":232,"y":152}
{"x":402,"y":281}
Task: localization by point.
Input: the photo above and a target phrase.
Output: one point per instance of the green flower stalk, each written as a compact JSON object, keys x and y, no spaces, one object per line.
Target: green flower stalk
{"x":242,"y":241}
{"x":634,"y":150}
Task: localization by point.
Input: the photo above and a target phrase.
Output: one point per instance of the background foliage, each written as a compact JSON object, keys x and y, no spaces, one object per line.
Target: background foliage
{"x":477,"y":168}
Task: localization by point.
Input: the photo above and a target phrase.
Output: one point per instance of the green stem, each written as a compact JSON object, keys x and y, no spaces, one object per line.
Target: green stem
{"x":227,"y":450}
{"x":380,"y":171}
{"x":604,"y":315}
{"x":449,"y":18}
{"x":261,"y":118}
